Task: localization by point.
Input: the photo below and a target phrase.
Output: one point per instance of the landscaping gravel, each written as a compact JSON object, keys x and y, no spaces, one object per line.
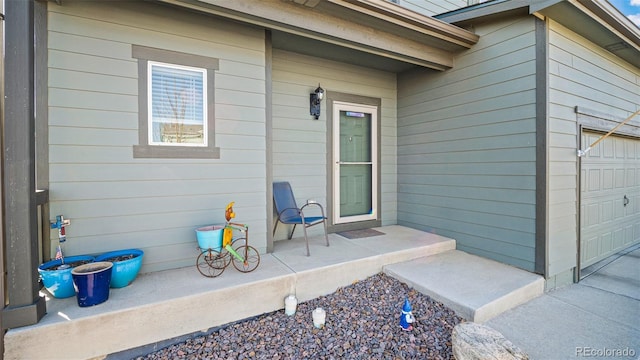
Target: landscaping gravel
{"x":362,"y":323}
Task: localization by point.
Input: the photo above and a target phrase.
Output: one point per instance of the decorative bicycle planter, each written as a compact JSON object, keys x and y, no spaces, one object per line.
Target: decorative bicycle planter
{"x":56,"y":274}
{"x":218,"y":248}
{"x":126,"y":265}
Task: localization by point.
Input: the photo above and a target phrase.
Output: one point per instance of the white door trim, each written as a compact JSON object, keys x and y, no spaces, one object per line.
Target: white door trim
{"x":369,"y":109}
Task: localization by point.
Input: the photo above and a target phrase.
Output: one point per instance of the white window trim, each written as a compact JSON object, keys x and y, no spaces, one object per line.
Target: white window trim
{"x":150,"y":65}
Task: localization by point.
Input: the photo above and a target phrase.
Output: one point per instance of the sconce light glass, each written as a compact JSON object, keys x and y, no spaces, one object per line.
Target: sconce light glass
{"x":315,"y":99}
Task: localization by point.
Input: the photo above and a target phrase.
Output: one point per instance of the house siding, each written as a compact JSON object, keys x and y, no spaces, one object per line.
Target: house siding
{"x":115,"y":201}
{"x":433,"y":7}
{"x":584,"y":75}
{"x":300,"y":143}
{"x":467,"y":146}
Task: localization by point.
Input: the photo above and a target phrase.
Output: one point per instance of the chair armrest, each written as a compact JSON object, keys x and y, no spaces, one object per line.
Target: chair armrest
{"x":311,"y":202}
{"x":296,"y":210}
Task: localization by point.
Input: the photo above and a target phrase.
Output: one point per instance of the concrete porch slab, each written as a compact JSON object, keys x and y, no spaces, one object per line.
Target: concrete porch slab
{"x":169,"y":304}
{"x":476,"y":288}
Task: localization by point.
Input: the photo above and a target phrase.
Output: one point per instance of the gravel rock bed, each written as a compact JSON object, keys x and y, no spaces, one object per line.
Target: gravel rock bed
{"x":362,"y":323}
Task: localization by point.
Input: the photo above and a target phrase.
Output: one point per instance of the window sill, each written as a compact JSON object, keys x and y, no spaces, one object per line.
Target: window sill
{"x":175,"y":152}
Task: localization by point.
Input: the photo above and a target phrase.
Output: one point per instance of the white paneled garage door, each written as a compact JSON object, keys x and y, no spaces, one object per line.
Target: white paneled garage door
{"x":610,"y":197}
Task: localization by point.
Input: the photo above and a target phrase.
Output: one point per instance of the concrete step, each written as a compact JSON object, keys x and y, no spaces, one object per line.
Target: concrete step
{"x":349,"y":260}
{"x":476,"y":288}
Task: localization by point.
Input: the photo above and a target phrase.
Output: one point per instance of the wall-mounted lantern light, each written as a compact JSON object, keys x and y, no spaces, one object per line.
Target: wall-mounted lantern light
{"x":315,"y":99}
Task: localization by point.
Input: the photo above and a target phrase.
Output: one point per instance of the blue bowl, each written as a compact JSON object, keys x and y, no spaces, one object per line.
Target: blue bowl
{"x":60,"y":282}
{"x":124,"y":271}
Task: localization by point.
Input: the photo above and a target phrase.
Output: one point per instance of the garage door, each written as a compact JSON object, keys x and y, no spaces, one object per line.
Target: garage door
{"x":610,"y":197}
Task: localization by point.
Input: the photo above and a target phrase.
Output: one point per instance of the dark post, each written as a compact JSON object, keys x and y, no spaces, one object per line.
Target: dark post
{"x":2,"y":271}
{"x":25,"y":306}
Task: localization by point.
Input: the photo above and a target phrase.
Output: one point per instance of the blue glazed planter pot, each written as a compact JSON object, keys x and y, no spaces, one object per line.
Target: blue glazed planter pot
{"x":124,"y":271}
{"x":91,"y":282}
{"x":60,"y":282}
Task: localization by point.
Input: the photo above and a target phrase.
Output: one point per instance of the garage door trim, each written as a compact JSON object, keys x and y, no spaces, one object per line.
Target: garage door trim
{"x":593,"y":121}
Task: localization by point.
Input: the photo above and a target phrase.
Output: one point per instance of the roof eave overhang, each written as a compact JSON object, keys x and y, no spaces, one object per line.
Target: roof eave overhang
{"x":372,"y":26}
{"x":597,"y":21}
{"x":601,"y":23}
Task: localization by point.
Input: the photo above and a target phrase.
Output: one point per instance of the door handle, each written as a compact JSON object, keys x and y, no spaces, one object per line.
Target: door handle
{"x":625,"y":201}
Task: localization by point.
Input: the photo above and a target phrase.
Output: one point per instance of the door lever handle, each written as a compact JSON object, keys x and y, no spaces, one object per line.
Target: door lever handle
{"x":625,"y":201}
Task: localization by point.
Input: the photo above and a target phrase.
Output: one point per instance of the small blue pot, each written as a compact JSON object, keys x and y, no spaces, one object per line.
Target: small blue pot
{"x":124,"y":272}
{"x":210,"y":237}
{"x":91,"y":282}
{"x":60,"y":282}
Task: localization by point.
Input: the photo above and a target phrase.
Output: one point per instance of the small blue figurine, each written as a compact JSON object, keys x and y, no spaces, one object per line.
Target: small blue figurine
{"x":406,"y":319}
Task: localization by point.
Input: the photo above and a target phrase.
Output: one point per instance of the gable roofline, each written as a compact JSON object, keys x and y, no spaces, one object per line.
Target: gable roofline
{"x":484,"y":10}
{"x":371,"y":26}
{"x":393,"y":13}
{"x":598,"y":21}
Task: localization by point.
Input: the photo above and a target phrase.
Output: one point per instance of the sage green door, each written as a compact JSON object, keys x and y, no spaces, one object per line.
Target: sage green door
{"x":355,"y":166}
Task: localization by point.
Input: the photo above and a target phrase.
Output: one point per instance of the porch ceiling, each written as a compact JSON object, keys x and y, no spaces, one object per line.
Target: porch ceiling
{"x":376,"y":31}
{"x":325,"y":50}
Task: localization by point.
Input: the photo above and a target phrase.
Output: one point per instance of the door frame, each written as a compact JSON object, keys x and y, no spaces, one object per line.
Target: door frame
{"x":593,"y":121}
{"x":337,"y":107}
{"x":333,"y":96}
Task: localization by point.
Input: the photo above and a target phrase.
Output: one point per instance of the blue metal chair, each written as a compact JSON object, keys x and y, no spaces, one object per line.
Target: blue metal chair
{"x":289,"y":212}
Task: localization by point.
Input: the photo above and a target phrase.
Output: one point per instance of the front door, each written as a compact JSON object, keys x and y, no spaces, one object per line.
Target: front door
{"x":354,"y":163}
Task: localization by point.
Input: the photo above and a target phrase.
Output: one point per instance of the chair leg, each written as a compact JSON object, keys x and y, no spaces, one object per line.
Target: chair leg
{"x":292,"y":230}
{"x":326,"y":237}
{"x":275,"y":227}
{"x":306,"y":239}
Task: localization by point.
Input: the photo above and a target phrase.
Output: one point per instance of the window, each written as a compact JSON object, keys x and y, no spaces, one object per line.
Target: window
{"x":175,"y":104}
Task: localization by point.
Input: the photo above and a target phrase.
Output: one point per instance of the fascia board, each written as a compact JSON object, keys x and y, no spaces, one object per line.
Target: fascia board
{"x":298,"y":20}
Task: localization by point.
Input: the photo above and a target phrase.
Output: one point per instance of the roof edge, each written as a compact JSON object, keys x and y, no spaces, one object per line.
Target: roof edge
{"x":395,"y":13}
{"x":598,"y":18}
{"x":612,"y":16}
{"x":483,"y":9}
{"x":311,"y":19}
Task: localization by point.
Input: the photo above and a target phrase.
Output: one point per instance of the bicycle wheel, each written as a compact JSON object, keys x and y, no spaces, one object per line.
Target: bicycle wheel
{"x":211,"y":264}
{"x":251,"y":258}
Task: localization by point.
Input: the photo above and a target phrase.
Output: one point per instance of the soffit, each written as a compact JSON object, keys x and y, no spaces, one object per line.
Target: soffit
{"x":377,"y":28}
{"x":595,"y":20}
{"x":325,"y":50}
{"x":600,"y":23}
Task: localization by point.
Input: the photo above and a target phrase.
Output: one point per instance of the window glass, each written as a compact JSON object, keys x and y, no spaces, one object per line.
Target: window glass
{"x":177,"y":105}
